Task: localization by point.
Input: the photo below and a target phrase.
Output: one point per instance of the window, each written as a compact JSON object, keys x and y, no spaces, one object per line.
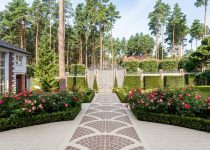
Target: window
{"x":19,"y":60}
{"x":2,"y":72}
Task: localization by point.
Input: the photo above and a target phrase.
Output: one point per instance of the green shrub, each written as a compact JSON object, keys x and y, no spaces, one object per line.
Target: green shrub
{"x":95,"y":85}
{"x":149,"y":66}
{"x":121,"y":94}
{"x":131,"y":66}
{"x":174,"y":81}
{"x":18,"y":122}
{"x":169,"y":65}
{"x":189,"y":79}
{"x":203,"y":78}
{"x":151,"y":82}
{"x":88,"y":96}
{"x":77,"y":69}
{"x":77,"y":83}
{"x":188,"y":122}
{"x":190,"y":66}
{"x":131,"y":82}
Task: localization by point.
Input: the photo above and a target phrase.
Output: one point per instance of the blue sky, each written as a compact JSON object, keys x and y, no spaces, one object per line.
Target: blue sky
{"x":134,"y":14}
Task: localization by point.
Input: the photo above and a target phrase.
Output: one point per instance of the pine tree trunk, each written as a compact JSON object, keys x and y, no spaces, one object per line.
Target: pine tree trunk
{"x":86,"y":51}
{"x":93,"y":49}
{"x":62,"y":74}
{"x":205,"y":16}
{"x":162,"y":43}
{"x":21,"y":36}
{"x":196,"y":43}
{"x":101,"y":48}
{"x":37,"y":39}
{"x":173,"y":51}
{"x":67,"y":57}
{"x":80,"y":52}
{"x":111,"y":42}
{"x":157,"y":46}
{"x":50,"y":24}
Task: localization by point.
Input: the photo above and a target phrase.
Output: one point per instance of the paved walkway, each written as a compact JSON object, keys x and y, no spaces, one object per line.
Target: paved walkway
{"x":105,"y":126}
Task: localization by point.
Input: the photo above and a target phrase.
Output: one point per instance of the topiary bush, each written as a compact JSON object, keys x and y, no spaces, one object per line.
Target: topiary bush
{"x":151,"y":82}
{"x":95,"y":85}
{"x":149,"y":66}
{"x":169,"y":65}
{"x":74,"y":83}
{"x":131,"y":82}
{"x":174,"y":81}
{"x":189,"y":79}
{"x":122,"y":95}
{"x":203,"y":78}
{"x":77,"y":69}
{"x":131,"y":66}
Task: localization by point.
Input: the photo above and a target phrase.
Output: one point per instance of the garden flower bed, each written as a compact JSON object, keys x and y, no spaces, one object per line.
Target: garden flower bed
{"x":28,"y":108}
{"x":182,"y":107}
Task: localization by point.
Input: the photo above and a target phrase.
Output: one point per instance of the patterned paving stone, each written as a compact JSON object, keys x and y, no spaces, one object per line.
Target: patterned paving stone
{"x":131,"y":132}
{"x":124,"y":119}
{"x":81,"y":132}
{"x":105,"y":126}
{"x":106,"y":115}
{"x":105,"y":142}
{"x":87,"y":119}
{"x":71,"y":148}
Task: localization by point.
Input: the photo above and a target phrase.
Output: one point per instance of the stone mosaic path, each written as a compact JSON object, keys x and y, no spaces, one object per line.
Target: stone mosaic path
{"x":105,"y":126}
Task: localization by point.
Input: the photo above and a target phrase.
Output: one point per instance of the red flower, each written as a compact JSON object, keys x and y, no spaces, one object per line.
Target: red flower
{"x":187,"y":106}
{"x":76,"y":99}
{"x":66,"y":105}
{"x":1,"y":102}
{"x":208,"y":100}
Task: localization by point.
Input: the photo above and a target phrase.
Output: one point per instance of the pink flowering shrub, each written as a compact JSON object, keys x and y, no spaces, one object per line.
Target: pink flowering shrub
{"x":30,"y":103}
{"x":184,"y":101}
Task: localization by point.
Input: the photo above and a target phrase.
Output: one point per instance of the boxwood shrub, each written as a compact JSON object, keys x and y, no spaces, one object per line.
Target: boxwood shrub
{"x":131,"y":66}
{"x":151,"y":82}
{"x":169,"y":65}
{"x":182,"y":121}
{"x":76,"y":83}
{"x":122,"y":95}
{"x":189,"y":79}
{"x":203,"y":78}
{"x":77,"y":69}
{"x":149,"y":66}
{"x":14,"y":122}
{"x":88,"y":96}
{"x":174,"y":81}
{"x":132,"y":82}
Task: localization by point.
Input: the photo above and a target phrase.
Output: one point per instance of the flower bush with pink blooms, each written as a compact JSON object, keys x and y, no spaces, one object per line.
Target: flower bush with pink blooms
{"x":183,"y":101}
{"x":32,"y":103}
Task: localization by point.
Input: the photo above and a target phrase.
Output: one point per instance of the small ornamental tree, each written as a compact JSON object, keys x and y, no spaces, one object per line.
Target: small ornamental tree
{"x":46,"y":68}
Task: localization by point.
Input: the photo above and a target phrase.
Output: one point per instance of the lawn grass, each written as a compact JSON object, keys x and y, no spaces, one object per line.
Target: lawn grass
{"x":204,"y":91}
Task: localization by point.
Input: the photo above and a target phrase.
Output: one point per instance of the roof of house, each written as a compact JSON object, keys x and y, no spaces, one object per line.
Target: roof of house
{"x":12,"y":47}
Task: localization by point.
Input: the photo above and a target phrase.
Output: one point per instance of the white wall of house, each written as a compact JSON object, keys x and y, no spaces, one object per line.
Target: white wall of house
{"x":20,"y":67}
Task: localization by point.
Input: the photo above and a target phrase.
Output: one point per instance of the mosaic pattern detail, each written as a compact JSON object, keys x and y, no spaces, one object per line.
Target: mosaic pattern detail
{"x":105,"y":126}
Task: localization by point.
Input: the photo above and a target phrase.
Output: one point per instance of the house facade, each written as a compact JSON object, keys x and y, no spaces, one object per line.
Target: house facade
{"x":13,"y":62}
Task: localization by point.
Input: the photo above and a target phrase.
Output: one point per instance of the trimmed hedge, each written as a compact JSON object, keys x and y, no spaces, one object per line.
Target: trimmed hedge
{"x":169,"y":65}
{"x":88,"y":96}
{"x":149,"y":66}
{"x":131,"y":66}
{"x":182,"y":121}
{"x":132,"y":82}
{"x":30,"y":120}
{"x":174,"y":81}
{"x":189,"y":79}
{"x":76,"y":83}
{"x":121,"y":95}
{"x":77,"y":69}
{"x":203,"y":78}
{"x":151,"y":82}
